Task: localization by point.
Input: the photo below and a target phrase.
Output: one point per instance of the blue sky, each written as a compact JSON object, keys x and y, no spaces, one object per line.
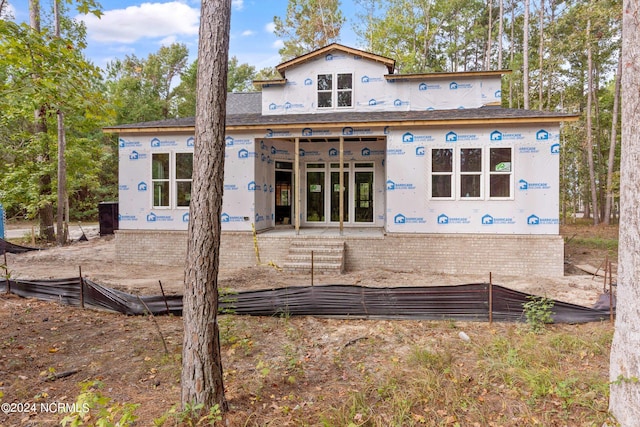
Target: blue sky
{"x":141,"y":27}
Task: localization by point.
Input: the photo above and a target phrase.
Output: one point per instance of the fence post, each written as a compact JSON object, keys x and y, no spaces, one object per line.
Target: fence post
{"x":81,"y":288}
{"x":490,"y":299}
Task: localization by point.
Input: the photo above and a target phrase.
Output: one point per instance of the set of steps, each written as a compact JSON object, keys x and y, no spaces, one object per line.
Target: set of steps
{"x":328,"y":256}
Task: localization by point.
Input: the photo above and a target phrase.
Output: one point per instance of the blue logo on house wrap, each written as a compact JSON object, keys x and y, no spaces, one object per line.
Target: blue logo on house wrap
{"x":455,"y":137}
{"x":391,"y":186}
{"x":536,"y":220}
{"x":127,"y":217}
{"x":191,"y":141}
{"x":373,"y":102}
{"x":498,"y":94}
{"x":542,"y":135}
{"x":123,"y":143}
{"x":308,"y":82}
{"x":123,"y":187}
{"x":270,"y":133}
{"x":185,"y":217}
{"x":225,"y":217}
{"x":555,"y":149}
{"x":142,"y":186}
{"x":157,"y":142}
{"x":366,"y":152}
{"x":490,"y":220}
{"x":134,"y":155}
{"x":348,"y":131}
{"x":408,"y":138}
{"x":456,"y":86}
{"x":525,"y":185}
{"x":402,"y":219}
{"x":259,"y":218}
{"x":228,"y":141}
{"x":424,"y":86}
{"x":231,"y":187}
{"x":420,"y":151}
{"x":246,"y":154}
{"x":252,"y":186}
{"x":400,"y":103}
{"x":152,"y":217}
{"x":496,"y":135}
{"x":444,"y":219}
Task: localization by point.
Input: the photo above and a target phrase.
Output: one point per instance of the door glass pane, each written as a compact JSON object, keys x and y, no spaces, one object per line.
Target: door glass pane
{"x":364,"y":196}
{"x":335,"y":196}
{"x":315,"y":196}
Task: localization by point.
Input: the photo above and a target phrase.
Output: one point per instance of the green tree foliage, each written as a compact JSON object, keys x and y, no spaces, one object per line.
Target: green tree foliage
{"x":240,"y":77}
{"x":308,"y":25}
{"x":42,"y":72}
{"x":144,"y":89}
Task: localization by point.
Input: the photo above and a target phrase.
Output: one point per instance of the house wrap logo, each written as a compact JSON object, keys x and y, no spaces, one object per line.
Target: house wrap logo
{"x":555,"y":149}
{"x":349,"y":131}
{"x":279,"y":151}
{"x":408,"y":138}
{"x":286,"y":106}
{"x":122,"y":218}
{"x":246,"y":154}
{"x":152,"y":217}
{"x":536,"y":220}
{"x":134,"y":155}
{"x":400,"y":103}
{"x":490,"y":220}
{"x":270,"y":133}
{"x":315,"y":132}
{"x":366,"y":152}
{"x":191,"y":141}
{"x":333,"y":152}
{"x":401,"y":219}
{"x":498,"y":94}
{"x":392,"y":186}
{"x":395,"y":152}
{"x":424,"y":86}
{"x":367,"y":79}
{"x":142,"y":186}
{"x":420,"y":151}
{"x":525,"y":185}
{"x":308,"y":82}
{"x":444,"y":219}
{"x":123,"y":143}
{"x":228,"y":141}
{"x":542,"y":135}
{"x":252,"y":186}
{"x":185,"y":217}
{"x":230,"y":187}
{"x":496,"y":136}
{"x":456,"y":86}
{"x":157,"y":143}
{"x":225,"y":217}
{"x":456,"y":137}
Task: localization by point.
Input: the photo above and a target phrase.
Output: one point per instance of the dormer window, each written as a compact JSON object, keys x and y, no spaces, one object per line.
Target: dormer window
{"x":340,"y":94}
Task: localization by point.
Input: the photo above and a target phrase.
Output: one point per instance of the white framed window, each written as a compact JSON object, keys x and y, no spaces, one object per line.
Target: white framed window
{"x":500,"y":172}
{"x":472,"y":173}
{"x":171,"y":178}
{"x":442,"y":173}
{"x":470,"y":180}
{"x":335,"y":90}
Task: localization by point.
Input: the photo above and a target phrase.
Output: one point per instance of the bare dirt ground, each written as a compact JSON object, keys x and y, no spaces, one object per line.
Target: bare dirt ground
{"x":96,"y":260}
{"x":277,"y":371}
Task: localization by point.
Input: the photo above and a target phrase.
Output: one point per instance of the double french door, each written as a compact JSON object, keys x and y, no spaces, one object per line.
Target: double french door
{"x":322,"y":193}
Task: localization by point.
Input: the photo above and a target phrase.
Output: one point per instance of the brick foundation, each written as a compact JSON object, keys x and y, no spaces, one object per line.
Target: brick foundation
{"x":535,"y":255}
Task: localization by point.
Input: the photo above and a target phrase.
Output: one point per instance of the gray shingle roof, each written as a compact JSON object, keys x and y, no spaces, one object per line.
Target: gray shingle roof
{"x":244,"y":109}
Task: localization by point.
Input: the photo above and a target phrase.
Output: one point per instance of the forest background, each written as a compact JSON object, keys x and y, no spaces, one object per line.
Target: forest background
{"x":564,"y":57}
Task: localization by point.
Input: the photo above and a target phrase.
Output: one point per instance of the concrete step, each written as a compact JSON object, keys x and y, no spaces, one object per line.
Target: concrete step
{"x":328,"y":256}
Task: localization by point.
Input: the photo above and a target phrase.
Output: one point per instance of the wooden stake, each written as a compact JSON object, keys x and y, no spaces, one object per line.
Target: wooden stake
{"x":610,"y":295}
{"x":81,"y":288}
{"x":490,"y":299}
{"x":7,"y":275}
{"x":155,"y":322}
{"x":166,"y":304}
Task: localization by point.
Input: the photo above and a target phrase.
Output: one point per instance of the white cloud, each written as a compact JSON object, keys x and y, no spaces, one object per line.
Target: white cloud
{"x":149,"y":20}
{"x":247,"y":33}
{"x":277,"y":44}
{"x":167,"y":41}
{"x":270,"y":27}
{"x":237,"y":4}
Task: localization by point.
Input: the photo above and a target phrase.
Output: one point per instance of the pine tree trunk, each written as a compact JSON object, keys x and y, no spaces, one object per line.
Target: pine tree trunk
{"x":613,"y":144}
{"x":589,"y":125}
{"x":624,"y":401}
{"x":202,"y":380}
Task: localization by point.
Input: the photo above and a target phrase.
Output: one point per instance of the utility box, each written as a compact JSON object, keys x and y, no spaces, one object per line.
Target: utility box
{"x":108,"y":217}
{"x":3,"y":221}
